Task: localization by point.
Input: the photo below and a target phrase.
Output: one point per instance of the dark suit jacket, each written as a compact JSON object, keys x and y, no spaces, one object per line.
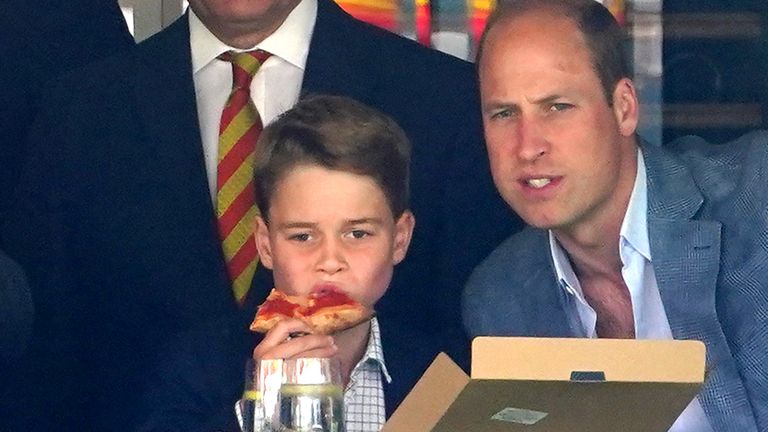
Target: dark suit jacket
{"x":15,"y":312}
{"x":117,"y":228}
{"x":196,"y":385}
{"x":41,"y":40}
{"x":708,"y":232}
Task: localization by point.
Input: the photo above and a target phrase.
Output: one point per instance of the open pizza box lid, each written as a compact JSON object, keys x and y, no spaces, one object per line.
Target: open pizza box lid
{"x":553,"y":385}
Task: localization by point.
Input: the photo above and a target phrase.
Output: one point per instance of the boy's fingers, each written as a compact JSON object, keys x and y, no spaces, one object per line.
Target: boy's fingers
{"x":283,"y":329}
{"x":305,"y":346}
{"x":280,"y":342}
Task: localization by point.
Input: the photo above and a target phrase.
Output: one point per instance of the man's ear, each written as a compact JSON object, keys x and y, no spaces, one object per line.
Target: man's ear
{"x":263,"y":245}
{"x":403,"y":233}
{"x":626,"y":107}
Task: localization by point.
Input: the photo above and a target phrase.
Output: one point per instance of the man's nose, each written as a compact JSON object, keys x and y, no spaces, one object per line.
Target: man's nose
{"x":531,"y":142}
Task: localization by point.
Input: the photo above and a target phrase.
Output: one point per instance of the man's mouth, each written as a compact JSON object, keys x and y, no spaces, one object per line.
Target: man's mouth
{"x":538,"y":183}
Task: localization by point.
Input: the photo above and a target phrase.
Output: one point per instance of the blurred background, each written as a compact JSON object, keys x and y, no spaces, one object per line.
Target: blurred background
{"x":701,"y":66}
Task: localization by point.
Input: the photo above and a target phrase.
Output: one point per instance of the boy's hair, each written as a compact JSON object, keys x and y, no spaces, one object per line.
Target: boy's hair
{"x":602,"y":34}
{"x":339,"y":134}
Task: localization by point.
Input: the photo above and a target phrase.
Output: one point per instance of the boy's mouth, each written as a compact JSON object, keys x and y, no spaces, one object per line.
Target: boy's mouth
{"x":326,"y":288}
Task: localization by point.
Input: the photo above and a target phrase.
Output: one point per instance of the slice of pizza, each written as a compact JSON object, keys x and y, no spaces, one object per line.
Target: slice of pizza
{"x":327,"y":310}
{"x":277,"y":307}
{"x":330,"y":310}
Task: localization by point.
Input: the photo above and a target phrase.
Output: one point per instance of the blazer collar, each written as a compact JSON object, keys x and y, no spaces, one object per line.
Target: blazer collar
{"x":672,"y":193}
{"x":686,"y":259}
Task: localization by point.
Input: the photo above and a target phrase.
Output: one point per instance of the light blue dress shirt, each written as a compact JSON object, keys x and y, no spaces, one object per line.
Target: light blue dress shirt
{"x":637,"y":271}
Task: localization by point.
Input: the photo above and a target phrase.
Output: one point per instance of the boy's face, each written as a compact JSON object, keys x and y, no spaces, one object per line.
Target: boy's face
{"x":332,"y":228}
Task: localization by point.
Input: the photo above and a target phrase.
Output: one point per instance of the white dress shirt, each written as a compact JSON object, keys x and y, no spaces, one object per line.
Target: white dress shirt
{"x":275,"y":87}
{"x":637,"y":271}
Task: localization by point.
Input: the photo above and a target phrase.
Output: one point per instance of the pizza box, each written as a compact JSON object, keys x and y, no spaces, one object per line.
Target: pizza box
{"x":554,"y":385}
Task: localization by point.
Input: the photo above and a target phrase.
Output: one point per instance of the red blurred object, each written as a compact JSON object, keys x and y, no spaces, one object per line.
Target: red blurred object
{"x":424,"y":22}
{"x":381,"y":13}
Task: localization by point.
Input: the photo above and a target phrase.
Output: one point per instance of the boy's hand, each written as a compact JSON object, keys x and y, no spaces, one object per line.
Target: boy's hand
{"x":278,"y":343}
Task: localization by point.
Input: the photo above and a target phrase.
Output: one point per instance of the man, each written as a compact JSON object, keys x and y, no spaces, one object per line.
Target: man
{"x":627,"y":240}
{"x":119,"y":234}
{"x":39,"y":41}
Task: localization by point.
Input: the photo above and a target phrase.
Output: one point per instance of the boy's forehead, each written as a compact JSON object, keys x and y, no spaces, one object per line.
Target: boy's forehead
{"x":310,"y":189}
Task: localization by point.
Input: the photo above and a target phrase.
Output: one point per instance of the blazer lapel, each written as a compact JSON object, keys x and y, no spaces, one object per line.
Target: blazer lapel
{"x":686,"y":261}
{"x":164,"y":96}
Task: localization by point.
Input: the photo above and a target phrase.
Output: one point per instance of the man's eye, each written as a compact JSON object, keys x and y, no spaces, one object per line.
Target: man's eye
{"x":560,"y":107}
{"x":501,"y":114}
{"x":300,"y":237}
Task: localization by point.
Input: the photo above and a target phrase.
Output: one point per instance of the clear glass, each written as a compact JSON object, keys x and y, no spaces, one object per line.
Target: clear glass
{"x":258,"y":405}
{"x":311,"y":397}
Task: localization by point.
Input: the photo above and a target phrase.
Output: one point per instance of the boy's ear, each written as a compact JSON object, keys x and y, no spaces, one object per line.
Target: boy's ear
{"x":261,"y":232}
{"x":403,"y":233}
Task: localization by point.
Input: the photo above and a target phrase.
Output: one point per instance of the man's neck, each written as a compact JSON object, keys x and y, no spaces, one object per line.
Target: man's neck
{"x":593,"y":244}
{"x":593,"y":250}
{"x":246,"y":34}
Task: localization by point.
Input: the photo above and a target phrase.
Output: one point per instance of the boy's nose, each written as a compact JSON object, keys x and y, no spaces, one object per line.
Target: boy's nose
{"x":332,"y":258}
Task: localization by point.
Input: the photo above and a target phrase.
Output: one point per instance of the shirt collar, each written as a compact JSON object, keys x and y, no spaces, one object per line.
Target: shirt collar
{"x":634,"y":231}
{"x":374,"y":353}
{"x":290,"y":41}
{"x":634,"y":228}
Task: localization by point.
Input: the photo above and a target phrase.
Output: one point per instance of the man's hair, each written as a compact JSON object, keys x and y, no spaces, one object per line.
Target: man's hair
{"x":339,"y":134}
{"x":602,"y":34}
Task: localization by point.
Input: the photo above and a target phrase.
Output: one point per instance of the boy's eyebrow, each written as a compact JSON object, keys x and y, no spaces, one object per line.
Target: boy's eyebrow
{"x":370,"y":220}
{"x":289,"y":225}
{"x":305,"y":225}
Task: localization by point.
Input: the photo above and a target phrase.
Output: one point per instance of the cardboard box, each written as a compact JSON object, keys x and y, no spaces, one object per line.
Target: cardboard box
{"x":550,"y":384}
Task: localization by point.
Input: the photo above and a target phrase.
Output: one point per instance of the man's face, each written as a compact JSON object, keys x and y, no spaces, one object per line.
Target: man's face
{"x":560,"y":154}
{"x":233,"y":18}
{"x":332,"y":229}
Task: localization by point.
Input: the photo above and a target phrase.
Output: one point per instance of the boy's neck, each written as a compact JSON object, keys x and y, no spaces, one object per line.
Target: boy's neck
{"x":352,"y":344}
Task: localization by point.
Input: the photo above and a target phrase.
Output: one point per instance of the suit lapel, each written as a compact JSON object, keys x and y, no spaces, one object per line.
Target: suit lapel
{"x":164,"y":96}
{"x":686,"y":260}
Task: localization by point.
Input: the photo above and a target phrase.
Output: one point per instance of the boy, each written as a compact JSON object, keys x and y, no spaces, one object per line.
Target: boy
{"x":332,"y":189}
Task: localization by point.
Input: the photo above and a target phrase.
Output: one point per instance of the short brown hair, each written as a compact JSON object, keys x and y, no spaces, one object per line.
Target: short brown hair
{"x":603,"y":35}
{"x":336,"y":133}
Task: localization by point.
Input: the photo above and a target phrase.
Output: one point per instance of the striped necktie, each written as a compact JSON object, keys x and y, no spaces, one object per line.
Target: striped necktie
{"x":236,"y":197}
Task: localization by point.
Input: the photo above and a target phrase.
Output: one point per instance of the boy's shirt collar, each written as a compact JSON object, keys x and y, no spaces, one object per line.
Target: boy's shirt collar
{"x":374,"y":352}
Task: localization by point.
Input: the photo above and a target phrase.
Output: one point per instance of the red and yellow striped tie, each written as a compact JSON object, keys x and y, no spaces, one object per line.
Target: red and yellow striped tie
{"x":236,"y":195}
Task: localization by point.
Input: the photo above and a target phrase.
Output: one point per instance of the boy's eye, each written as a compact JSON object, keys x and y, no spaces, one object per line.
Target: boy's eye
{"x":358,"y":234}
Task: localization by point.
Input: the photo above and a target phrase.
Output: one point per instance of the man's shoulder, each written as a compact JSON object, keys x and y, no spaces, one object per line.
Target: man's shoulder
{"x":720,"y":170}
{"x":749,"y":149}
{"x":116,"y":69}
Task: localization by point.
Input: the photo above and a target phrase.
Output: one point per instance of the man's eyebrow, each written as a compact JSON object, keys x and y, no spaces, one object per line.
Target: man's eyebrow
{"x":493,"y":106}
{"x":548,"y":99}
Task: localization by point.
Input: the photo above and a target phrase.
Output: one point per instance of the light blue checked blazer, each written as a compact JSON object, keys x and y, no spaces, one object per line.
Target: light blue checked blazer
{"x":708,"y":229}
